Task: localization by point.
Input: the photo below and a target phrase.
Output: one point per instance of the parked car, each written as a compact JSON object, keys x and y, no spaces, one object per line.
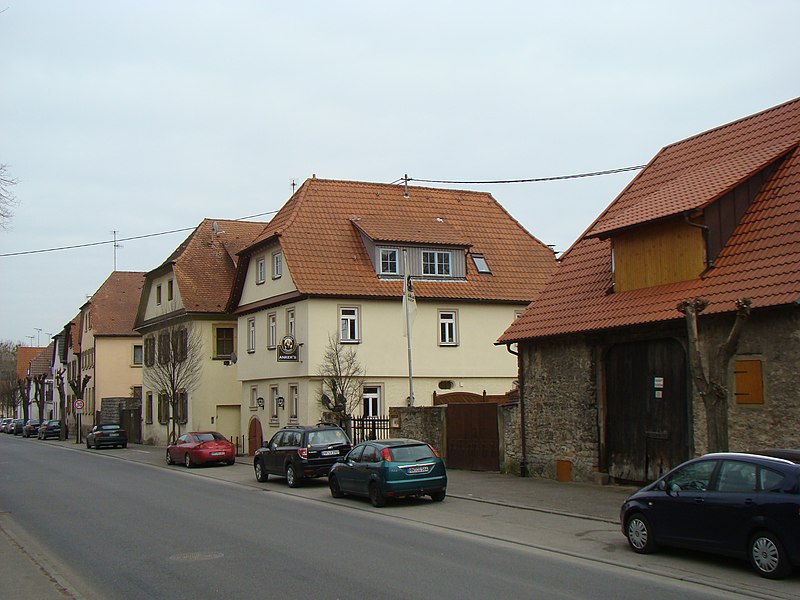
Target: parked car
{"x":17,"y":426}
{"x":741,"y":505}
{"x":31,"y":428}
{"x":390,"y":469}
{"x":107,"y":435}
{"x":201,"y":447}
{"x":49,"y":429}
{"x":4,"y":424}
{"x":301,"y":451}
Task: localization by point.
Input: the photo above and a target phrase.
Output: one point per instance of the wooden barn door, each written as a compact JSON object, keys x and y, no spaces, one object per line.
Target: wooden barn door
{"x":647,"y":409}
{"x":472,"y":439}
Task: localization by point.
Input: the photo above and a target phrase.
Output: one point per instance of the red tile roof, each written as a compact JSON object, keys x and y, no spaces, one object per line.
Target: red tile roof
{"x":43,"y":361}
{"x":318,"y":232}
{"x":25,"y":354}
{"x":759,"y":261}
{"x":205,"y":263}
{"x":113,"y":306}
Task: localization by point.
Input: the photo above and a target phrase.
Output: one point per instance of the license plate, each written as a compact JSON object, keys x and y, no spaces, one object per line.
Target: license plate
{"x":329,"y":453}
{"x":414,"y":470}
{"x":217,"y":454}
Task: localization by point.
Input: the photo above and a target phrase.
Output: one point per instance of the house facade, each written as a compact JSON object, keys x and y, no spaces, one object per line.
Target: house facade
{"x":188,"y":337}
{"x":110,"y":349}
{"x":328,"y":274}
{"x":605,"y":366}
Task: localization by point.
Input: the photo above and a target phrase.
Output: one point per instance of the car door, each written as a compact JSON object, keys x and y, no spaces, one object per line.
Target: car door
{"x":346,"y":472}
{"x":365,"y":468}
{"x":272,"y":458}
{"x":178,"y":448}
{"x":678,"y":515}
{"x":731,"y":505}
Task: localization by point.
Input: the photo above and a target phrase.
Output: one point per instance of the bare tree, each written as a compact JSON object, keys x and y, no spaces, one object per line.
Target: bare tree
{"x":24,"y":388}
{"x":8,"y":375}
{"x":39,"y":390}
{"x":62,"y":403}
{"x":78,"y":387}
{"x":342,"y":379}
{"x":7,"y":198}
{"x":176,"y":370}
{"x":710,"y":381}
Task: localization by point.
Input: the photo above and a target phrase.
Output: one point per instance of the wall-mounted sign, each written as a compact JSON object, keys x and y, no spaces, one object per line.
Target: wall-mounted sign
{"x":287,"y":349}
{"x":658,"y":383}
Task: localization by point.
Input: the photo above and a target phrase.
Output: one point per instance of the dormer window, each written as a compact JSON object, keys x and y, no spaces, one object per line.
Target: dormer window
{"x":277,"y":265}
{"x":388,"y":261}
{"x":436,"y":263}
{"x":261,"y":270}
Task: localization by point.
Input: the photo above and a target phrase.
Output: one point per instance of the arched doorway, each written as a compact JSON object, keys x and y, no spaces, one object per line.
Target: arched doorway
{"x":255,"y":436}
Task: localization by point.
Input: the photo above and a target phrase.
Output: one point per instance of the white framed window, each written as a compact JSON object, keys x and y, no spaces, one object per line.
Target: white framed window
{"x":272,"y":330}
{"x":348,"y":324}
{"x":273,"y":403}
{"x":277,"y":265}
{"x":448,"y":328}
{"x":290,"y":322}
{"x":436,"y":262}
{"x":294,"y":401}
{"x":253,"y":397}
{"x":251,"y":334}
{"x":138,"y":355}
{"x":371,"y":399}
{"x":388,"y":261}
{"x":261,"y":270}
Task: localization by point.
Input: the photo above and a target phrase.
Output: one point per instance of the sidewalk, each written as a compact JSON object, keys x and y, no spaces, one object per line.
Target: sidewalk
{"x":23,"y":574}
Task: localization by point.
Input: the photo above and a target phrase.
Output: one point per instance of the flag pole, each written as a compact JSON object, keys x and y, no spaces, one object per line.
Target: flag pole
{"x":406,"y":291}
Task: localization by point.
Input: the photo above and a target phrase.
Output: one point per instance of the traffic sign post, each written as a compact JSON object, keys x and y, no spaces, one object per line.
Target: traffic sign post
{"x":78,"y":406}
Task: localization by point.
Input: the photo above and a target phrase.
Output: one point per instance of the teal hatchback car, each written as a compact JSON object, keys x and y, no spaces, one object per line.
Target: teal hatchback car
{"x":396,"y":468}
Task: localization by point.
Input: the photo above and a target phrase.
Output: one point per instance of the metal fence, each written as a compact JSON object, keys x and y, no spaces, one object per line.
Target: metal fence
{"x":367,"y":428}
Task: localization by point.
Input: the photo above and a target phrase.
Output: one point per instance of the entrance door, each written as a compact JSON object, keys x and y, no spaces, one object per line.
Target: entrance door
{"x":472,"y":438}
{"x":647,"y":409}
{"x":131,"y":422}
{"x":255,"y":436}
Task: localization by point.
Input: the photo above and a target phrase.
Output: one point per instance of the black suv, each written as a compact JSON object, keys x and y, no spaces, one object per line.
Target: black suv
{"x":299,"y":451}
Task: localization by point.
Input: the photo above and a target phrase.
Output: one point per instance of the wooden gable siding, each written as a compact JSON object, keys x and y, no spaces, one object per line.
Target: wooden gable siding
{"x":665,"y":252}
{"x":723,"y":215}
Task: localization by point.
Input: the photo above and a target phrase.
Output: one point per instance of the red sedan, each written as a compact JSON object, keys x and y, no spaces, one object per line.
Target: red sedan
{"x":200,"y":447}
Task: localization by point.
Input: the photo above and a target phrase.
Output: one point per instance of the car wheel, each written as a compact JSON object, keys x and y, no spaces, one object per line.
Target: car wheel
{"x":169,"y":459}
{"x":376,"y":496}
{"x":88,"y":445}
{"x":291,"y":476}
{"x":96,"y":445}
{"x":768,"y":557}
{"x":438,"y":496}
{"x":230,"y":461}
{"x":187,"y":460}
{"x":333,"y":483}
{"x":640,"y":534}
{"x":125,"y":445}
{"x":261,"y":472}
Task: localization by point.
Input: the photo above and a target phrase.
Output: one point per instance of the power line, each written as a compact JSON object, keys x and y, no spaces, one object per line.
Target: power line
{"x":117,"y":240}
{"x":531,"y":180}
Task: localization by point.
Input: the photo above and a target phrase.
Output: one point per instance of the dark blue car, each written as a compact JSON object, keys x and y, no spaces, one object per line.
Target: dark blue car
{"x":741,"y":505}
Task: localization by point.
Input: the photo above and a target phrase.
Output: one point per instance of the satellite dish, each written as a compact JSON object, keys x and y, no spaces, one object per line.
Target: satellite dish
{"x":326,"y":401}
{"x":233,"y":357}
{"x":214,"y":227}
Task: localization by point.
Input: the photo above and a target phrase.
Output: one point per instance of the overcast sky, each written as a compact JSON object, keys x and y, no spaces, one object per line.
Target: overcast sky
{"x":144,"y":117}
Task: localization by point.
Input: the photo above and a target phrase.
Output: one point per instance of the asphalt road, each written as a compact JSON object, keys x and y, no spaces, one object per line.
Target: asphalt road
{"x":120,"y":529}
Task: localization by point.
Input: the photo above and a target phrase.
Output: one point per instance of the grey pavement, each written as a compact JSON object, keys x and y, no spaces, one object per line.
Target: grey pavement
{"x":25,"y":573}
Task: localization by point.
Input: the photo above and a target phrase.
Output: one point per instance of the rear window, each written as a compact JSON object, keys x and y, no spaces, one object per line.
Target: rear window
{"x":326,"y":437}
{"x":770,"y":480}
{"x":413,"y":453}
{"x":210,"y":437}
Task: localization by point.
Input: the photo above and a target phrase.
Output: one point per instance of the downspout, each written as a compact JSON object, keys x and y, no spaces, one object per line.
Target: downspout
{"x":523,"y":464}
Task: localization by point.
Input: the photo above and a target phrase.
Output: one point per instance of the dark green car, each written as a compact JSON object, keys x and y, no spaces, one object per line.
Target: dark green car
{"x":394,"y":468}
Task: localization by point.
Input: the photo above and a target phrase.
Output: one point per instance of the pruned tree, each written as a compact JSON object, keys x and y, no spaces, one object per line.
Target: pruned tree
{"x":8,"y":376}
{"x":342,"y":379}
{"x":24,"y":389}
{"x":710,"y":376}
{"x":175,"y":371}
{"x":39,"y":389}
{"x":62,"y":403}
{"x":7,"y":198}
{"x":78,"y":387}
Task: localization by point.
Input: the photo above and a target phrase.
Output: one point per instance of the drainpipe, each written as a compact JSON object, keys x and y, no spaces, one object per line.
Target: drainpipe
{"x":523,"y":465}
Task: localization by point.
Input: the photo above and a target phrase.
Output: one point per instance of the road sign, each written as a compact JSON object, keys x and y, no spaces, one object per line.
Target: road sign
{"x":79,"y":406}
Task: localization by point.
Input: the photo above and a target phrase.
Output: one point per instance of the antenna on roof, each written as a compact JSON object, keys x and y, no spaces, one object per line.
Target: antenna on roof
{"x":405,"y":186}
{"x":116,"y":245}
{"x":215,"y":231}
{"x":293,"y":186}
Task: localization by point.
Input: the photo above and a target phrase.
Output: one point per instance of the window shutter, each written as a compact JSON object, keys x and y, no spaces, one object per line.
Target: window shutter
{"x":749,"y":382}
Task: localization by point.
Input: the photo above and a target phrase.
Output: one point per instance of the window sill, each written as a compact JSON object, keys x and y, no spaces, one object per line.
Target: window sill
{"x":448,"y":345}
{"x":262,"y":282}
{"x":253,"y":408}
{"x":349,"y":341}
{"x":249,"y":351}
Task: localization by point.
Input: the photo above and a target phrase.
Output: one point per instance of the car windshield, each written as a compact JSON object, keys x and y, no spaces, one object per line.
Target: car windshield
{"x":413,"y":453}
{"x":326,"y":437}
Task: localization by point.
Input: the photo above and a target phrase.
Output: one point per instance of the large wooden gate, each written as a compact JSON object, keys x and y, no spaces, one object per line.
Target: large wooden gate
{"x":472,"y":437}
{"x":647,"y":409}
{"x":131,"y":421}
